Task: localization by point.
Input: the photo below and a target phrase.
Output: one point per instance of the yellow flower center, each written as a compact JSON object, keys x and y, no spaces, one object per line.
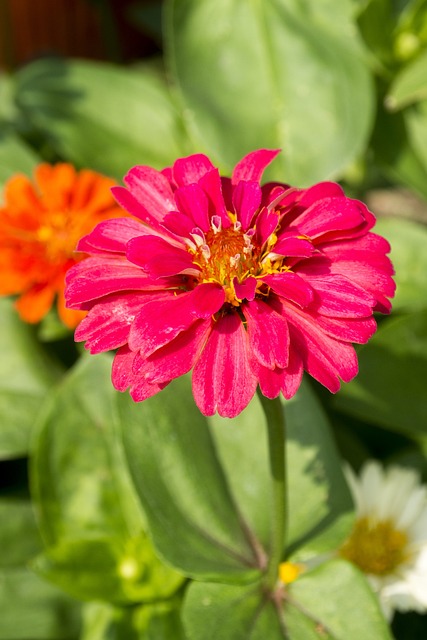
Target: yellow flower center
{"x":376,"y":547}
{"x":59,"y":235}
{"x":226,"y":254}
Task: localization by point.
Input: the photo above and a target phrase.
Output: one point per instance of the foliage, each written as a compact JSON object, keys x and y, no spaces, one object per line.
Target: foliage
{"x":148,"y":521}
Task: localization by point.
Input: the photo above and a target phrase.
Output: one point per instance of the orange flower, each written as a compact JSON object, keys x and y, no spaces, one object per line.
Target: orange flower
{"x":40,"y":224}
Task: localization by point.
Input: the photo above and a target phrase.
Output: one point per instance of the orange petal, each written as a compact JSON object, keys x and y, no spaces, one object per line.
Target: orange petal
{"x":70,"y":317}
{"x":92,"y":191}
{"x":21,"y":198}
{"x":56,"y":183}
{"x":35,"y":303}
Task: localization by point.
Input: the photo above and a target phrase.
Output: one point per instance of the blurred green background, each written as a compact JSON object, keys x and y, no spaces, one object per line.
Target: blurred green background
{"x":341,"y":87}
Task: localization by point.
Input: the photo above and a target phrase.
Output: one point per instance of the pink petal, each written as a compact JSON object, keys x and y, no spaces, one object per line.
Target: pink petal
{"x":178,"y":356}
{"x":149,"y":196}
{"x":168,"y":173}
{"x":246,"y":201}
{"x":142,"y":389}
{"x":211,"y":185}
{"x":319,"y":192}
{"x":337,"y":296}
{"x":158,"y":257}
{"x":358,"y":330}
{"x":128,"y":371}
{"x":325,"y":358}
{"x":268,"y":334}
{"x":289,"y":285}
{"x":270,"y":381}
{"x":245,"y":290}
{"x":266,"y":224}
{"x":193,"y":201}
{"x":227,"y":192}
{"x":189,"y":170}
{"x":293,"y":374}
{"x":290,"y":245}
{"x":122,"y":374}
{"x":179,"y":224}
{"x":107,"y":324}
{"x":287,"y":381}
{"x":159,"y":323}
{"x":369,"y":269}
{"x":223,"y":377}
{"x":111,"y":236}
{"x":330,"y":215}
{"x":252,"y":166}
{"x":274,"y":193}
{"x":96,"y":277}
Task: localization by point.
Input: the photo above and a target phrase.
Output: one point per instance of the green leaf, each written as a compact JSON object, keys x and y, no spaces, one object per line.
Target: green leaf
{"x":212,"y":487}
{"x":409,"y":85}
{"x":275,"y":73}
{"x":102,"y":620}
{"x":116,"y":117}
{"x":89,"y":515}
{"x":318,"y":495}
{"x":230,"y":612}
{"x":320,"y":502}
{"x":416,"y":119}
{"x":112,"y":569}
{"x":376,"y":23}
{"x":336,"y":603}
{"x":26,"y":374}
{"x":32,"y":608}
{"x":332,"y":602}
{"x":396,"y":154}
{"x":15,"y":157}
{"x":390,"y":388}
{"x":408,"y":241}
{"x":192,"y":515}
{"x":19,"y":537}
{"x":159,"y":621}
{"x":77,"y":479}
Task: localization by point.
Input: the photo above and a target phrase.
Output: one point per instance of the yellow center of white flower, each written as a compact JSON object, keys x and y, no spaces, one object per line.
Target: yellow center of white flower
{"x":376,"y":547}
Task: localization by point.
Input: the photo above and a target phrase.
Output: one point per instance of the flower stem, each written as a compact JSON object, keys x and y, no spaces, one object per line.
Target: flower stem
{"x":277,"y":457}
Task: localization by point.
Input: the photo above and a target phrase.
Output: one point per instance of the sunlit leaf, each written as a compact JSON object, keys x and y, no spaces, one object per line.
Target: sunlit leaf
{"x":325,"y":603}
{"x":408,"y":241}
{"x":317,"y":493}
{"x":115,"y":117}
{"x":390,"y":388}
{"x":89,"y":516}
{"x":15,"y":157}
{"x":273,"y":74}
{"x":410,"y":84}
{"x":192,"y":515}
{"x":113,"y":569}
{"x":329,"y":602}
{"x":26,"y":373}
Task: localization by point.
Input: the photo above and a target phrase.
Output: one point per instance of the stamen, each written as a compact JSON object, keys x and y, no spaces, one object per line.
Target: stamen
{"x":216,"y":223}
{"x":377,"y":547}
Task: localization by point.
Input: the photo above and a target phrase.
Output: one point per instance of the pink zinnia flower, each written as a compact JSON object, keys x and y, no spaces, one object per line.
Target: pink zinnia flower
{"x":244,"y":284}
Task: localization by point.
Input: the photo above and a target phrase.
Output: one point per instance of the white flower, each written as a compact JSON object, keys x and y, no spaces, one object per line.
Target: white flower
{"x":389,"y":538}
